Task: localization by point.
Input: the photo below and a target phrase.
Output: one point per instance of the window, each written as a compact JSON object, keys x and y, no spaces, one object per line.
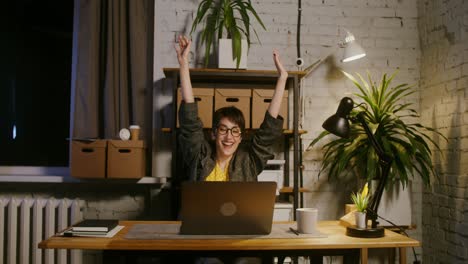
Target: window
{"x":35,"y":83}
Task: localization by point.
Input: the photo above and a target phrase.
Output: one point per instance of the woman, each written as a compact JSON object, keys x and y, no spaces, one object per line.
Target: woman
{"x":229,"y":158}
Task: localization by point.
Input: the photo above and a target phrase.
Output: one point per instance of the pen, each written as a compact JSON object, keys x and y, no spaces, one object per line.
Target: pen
{"x":294,"y":231}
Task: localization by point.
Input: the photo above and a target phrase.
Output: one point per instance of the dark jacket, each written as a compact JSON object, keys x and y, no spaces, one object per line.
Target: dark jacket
{"x":247,"y":162}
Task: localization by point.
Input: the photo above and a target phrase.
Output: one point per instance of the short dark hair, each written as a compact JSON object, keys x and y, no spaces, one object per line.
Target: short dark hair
{"x":232,"y":113}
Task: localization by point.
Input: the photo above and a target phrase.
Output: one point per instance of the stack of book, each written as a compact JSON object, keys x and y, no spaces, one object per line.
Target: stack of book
{"x":94,"y":228}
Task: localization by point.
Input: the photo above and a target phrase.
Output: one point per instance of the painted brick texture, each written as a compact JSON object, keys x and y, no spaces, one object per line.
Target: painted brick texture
{"x":443,"y":30}
{"x":387,"y":30}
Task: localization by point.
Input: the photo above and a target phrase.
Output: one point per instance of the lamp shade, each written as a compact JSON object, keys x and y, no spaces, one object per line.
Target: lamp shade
{"x":338,"y":123}
{"x":353,"y":51}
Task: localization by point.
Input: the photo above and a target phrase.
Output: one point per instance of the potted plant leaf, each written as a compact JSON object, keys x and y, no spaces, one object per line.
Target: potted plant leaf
{"x":386,"y":113}
{"x":226,"y":18}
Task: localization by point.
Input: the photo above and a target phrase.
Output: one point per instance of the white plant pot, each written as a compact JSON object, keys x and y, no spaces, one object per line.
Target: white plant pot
{"x":360,"y":219}
{"x":225,"y":58}
{"x":395,"y":204}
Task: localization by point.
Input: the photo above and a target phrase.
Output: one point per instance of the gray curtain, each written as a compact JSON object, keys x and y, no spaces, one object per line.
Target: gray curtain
{"x":112,"y":67}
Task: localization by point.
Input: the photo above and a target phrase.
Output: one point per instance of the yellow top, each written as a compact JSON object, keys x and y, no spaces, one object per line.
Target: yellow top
{"x":218,"y":174}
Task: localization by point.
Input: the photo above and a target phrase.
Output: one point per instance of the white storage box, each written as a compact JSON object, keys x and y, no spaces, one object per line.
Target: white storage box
{"x":276,"y":175}
{"x":283,"y":212}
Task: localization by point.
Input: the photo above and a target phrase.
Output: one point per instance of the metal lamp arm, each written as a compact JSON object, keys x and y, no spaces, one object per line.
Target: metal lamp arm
{"x":379,"y":150}
{"x":385,"y":162}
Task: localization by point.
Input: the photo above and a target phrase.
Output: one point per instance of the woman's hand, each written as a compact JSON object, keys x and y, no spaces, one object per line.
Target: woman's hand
{"x":279,"y":66}
{"x":275,"y":104}
{"x":183,"y":50}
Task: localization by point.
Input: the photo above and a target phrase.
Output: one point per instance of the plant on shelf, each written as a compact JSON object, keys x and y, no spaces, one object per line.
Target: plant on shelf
{"x":392,"y":122}
{"x":233,"y":16}
{"x":361,"y":199}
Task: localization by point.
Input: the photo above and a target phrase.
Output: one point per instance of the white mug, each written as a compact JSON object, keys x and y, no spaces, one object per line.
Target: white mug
{"x":306,"y":220}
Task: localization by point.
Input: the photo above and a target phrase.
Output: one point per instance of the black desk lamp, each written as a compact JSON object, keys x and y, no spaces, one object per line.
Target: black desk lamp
{"x":338,"y":124}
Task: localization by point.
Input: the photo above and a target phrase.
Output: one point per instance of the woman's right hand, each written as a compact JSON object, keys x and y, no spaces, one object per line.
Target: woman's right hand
{"x":183,"y":50}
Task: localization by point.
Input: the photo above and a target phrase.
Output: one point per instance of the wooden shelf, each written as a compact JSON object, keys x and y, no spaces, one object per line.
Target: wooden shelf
{"x":291,"y":132}
{"x":69,"y":179}
{"x":251,"y":79}
{"x":223,"y":73}
{"x":290,"y":190}
{"x":285,"y":132}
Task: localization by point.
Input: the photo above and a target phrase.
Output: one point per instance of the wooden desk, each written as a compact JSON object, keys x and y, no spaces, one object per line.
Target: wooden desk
{"x":337,"y":243}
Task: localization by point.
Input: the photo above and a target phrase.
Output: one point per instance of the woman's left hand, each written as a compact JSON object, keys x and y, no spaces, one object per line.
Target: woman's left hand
{"x":279,"y":66}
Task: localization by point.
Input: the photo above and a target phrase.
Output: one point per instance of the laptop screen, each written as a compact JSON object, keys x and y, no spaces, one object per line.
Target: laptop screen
{"x":227,"y":208}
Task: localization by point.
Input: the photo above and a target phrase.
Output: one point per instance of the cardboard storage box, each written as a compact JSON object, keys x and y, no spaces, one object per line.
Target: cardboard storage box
{"x":239,"y":98}
{"x":88,"y":159}
{"x":204,"y":99}
{"x":261,"y":99}
{"x":125,"y":159}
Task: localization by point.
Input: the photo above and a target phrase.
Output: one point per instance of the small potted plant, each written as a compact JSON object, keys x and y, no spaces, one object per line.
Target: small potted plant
{"x":233,"y":16}
{"x":361,"y":200}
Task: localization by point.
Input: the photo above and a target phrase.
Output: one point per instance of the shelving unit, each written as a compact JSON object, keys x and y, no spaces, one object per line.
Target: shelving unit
{"x":252,"y":77}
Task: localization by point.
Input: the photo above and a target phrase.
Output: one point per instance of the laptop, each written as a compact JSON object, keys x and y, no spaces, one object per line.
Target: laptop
{"x":227,"y":208}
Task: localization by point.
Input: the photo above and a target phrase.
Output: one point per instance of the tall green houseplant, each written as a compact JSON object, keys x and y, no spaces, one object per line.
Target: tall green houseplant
{"x":233,"y":16}
{"x":385,"y":113}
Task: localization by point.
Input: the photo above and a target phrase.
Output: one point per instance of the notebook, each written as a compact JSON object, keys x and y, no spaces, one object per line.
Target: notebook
{"x":227,"y":208}
{"x":95,"y":225}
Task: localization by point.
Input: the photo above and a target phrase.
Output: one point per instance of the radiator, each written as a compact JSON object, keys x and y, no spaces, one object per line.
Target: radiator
{"x":24,"y":222}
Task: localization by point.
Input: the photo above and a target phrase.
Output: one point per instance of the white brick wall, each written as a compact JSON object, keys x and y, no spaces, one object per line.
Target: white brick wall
{"x":444,"y":86}
{"x":430,"y":52}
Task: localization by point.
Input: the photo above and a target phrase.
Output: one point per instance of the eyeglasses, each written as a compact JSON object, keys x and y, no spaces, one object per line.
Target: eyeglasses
{"x":223,"y":130}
